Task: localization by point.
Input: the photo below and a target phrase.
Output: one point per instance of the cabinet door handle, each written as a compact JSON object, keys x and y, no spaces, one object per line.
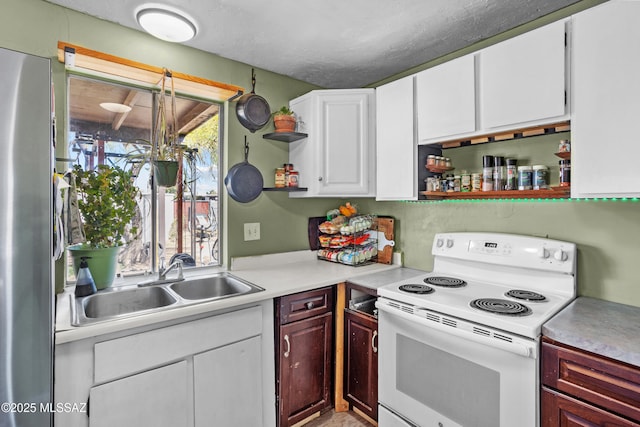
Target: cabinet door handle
{"x":373,"y":339}
{"x":309,"y":305}
{"x":286,"y":340}
{"x":319,"y":178}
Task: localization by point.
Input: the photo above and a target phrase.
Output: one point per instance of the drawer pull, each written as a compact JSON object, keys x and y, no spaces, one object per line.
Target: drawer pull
{"x":309,"y":305}
{"x":373,"y":339}
{"x":286,"y":340}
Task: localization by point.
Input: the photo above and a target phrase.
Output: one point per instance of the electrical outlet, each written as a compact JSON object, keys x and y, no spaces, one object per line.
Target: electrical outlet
{"x":252,"y":231}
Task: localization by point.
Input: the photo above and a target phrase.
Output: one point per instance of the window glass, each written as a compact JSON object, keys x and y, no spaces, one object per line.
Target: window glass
{"x":187,"y":215}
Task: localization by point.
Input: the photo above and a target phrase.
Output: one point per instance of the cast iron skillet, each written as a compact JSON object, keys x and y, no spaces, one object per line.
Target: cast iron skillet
{"x":253,"y":110}
{"x":244,"y":181}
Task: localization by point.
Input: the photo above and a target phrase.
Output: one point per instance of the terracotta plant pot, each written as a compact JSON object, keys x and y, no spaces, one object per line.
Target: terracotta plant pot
{"x":284,"y":123}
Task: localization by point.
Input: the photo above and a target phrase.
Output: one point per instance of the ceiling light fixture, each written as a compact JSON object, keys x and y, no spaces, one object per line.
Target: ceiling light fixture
{"x":115,"y":107}
{"x":166,"y":24}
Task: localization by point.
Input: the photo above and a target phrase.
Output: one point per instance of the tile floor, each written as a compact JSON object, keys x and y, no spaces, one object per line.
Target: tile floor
{"x":338,"y":419}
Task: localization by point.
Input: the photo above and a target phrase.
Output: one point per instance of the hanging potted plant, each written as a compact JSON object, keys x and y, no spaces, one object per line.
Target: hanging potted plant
{"x":284,"y":120}
{"x":166,"y":151}
{"x":107,"y":201}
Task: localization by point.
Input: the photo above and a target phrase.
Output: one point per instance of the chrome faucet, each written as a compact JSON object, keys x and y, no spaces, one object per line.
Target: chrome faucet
{"x":162,"y":272}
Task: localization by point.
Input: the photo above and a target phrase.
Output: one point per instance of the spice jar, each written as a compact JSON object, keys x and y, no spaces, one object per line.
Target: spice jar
{"x":540,"y":177}
{"x":525,"y":175}
{"x":476,"y":182}
{"x":564,"y":146}
{"x":487,"y":173}
{"x":293,"y":179}
{"x":511,"y":182}
{"x":431,"y":160}
{"x":565,"y":173}
{"x":465,"y":181}
{"x":280,"y":178}
{"x":499,"y":173}
{"x":456,"y":183}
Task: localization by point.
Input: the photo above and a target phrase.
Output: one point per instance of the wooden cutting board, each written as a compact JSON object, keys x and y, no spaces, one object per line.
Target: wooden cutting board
{"x":385,"y":239}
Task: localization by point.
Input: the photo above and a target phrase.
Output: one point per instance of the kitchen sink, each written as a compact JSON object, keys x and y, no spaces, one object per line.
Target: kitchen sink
{"x":134,"y":300}
{"x":116,"y":303}
{"x":219,"y":286}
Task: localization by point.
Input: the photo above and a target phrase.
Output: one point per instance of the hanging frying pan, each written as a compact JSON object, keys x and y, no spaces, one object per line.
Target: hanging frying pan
{"x":253,"y":110}
{"x":244,"y":181}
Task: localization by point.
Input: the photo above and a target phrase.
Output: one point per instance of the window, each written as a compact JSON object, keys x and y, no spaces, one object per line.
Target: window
{"x":181,"y":221}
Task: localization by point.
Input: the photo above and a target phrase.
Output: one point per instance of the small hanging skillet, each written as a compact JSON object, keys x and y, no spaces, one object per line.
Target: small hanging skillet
{"x":253,"y":110}
{"x":244,"y":181}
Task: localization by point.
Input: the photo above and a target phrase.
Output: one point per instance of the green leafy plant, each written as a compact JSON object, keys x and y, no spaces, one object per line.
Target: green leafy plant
{"x":284,"y":111}
{"x":107,"y":202}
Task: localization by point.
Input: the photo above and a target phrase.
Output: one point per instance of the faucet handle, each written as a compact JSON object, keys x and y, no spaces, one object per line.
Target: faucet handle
{"x":161,"y":266}
{"x":180,"y":275}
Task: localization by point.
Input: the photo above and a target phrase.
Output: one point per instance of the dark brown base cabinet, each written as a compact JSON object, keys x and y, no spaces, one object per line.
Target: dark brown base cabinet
{"x":304,"y":354}
{"x":361,"y":362}
{"x":581,"y":389}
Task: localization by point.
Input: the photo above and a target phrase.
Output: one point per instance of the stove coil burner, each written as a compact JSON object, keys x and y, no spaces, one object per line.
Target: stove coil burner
{"x":525,"y":295}
{"x":501,"y":306}
{"x":417,"y":289}
{"x":445,"y":282}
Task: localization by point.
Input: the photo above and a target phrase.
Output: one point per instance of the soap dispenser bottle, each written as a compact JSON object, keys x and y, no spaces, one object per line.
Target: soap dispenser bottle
{"x":84,"y":282}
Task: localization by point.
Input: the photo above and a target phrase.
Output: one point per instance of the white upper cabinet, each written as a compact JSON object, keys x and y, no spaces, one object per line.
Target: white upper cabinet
{"x":446,"y":100}
{"x":606,"y":100}
{"x":338,"y":157}
{"x":522,"y":81}
{"x":396,"y":146}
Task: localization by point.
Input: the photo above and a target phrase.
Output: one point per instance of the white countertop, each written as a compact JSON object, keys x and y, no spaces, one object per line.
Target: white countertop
{"x":279,"y":274}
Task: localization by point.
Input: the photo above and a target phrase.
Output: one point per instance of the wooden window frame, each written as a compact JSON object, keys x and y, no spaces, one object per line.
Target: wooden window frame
{"x":149,"y":75}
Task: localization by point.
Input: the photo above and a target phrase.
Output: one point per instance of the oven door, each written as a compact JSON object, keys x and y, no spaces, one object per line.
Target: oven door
{"x":440,"y":371}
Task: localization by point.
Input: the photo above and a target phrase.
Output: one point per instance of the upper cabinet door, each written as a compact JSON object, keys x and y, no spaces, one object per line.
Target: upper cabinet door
{"x":446,"y":100}
{"x":396,"y":146}
{"x":522,"y":80}
{"x":605,"y":105}
{"x":338,"y":157}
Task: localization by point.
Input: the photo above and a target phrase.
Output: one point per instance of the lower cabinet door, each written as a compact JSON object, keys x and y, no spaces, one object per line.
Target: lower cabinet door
{"x":154,"y":398}
{"x":228,"y":385}
{"x":559,"y":410}
{"x":361,"y":362}
{"x":304,"y":386}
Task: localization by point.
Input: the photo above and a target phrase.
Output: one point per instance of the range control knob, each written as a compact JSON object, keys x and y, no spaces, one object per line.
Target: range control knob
{"x":449,"y":243}
{"x":544,"y":253}
{"x":560,"y":255}
{"x":439,"y":243}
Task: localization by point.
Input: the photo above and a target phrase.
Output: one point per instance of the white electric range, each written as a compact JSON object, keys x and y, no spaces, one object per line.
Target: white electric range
{"x":459,"y":345}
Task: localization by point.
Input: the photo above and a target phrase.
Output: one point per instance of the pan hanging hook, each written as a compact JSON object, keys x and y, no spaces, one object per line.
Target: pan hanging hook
{"x":246,"y":149}
{"x":253,"y":80}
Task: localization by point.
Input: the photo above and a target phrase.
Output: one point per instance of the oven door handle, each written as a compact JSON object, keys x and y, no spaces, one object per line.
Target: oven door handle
{"x":512,"y":347}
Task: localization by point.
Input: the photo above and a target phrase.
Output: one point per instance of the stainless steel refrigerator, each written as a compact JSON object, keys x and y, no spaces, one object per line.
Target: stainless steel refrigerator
{"x":26,"y":283}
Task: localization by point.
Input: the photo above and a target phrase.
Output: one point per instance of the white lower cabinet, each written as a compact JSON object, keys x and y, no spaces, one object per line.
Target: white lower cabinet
{"x":216,"y":370}
{"x":228,"y":385}
{"x":158,"y":398}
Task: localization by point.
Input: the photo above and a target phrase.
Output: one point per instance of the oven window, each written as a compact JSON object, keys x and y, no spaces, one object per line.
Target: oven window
{"x":463,"y":391}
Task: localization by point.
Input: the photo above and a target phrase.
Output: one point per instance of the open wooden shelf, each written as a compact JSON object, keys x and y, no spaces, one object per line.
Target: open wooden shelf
{"x":285,"y":189}
{"x":564,"y":154}
{"x":439,"y":169}
{"x":285,"y":136}
{"x":507,"y":135}
{"x":552,"y":193}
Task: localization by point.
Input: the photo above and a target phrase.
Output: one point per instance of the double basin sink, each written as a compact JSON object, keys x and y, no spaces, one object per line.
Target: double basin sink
{"x":134,"y":300}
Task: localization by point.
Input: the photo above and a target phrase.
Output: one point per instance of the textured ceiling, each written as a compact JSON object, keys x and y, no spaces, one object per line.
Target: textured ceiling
{"x":336,"y":43}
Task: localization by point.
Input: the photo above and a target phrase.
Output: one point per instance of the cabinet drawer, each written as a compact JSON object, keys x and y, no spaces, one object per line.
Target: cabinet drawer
{"x":563,"y":411}
{"x":303,"y":305}
{"x":600,"y":381}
